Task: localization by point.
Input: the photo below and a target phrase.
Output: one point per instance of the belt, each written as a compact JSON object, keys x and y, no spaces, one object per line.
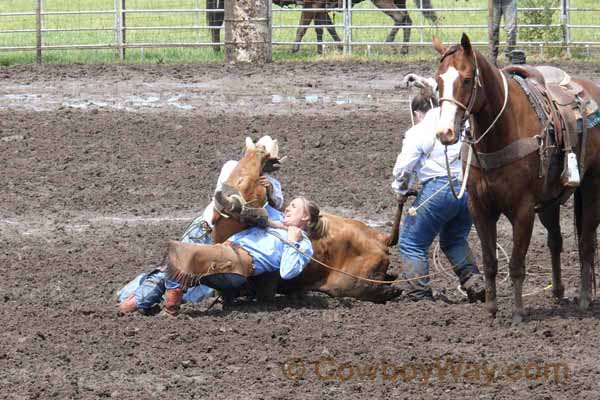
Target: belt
{"x":239,"y":249}
{"x":438,"y":178}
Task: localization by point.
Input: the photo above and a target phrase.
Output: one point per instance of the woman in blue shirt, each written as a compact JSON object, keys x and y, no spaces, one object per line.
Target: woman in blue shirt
{"x":285,"y":248}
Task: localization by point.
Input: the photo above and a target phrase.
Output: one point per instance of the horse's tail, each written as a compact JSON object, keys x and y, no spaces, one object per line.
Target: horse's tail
{"x":578,"y":211}
{"x":427,"y":10}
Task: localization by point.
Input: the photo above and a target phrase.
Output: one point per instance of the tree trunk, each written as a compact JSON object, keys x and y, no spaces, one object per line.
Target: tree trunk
{"x":248,"y":31}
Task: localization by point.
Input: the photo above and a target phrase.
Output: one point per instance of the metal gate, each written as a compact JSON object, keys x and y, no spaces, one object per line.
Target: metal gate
{"x":118,"y":25}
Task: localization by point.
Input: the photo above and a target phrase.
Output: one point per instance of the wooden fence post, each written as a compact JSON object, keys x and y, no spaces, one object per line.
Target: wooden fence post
{"x":490,"y":15}
{"x":38,"y":30}
{"x":123,"y":29}
{"x":248,"y":31}
{"x":565,"y":22}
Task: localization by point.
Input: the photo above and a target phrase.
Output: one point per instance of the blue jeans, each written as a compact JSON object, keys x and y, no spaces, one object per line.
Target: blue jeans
{"x":508,"y":8}
{"x":149,"y":288}
{"x":442,"y":215}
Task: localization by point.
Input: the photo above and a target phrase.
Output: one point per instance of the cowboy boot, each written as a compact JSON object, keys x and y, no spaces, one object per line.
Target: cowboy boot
{"x":129,"y":305}
{"x":173,"y":301}
{"x":415,"y":289}
{"x":475,"y":288}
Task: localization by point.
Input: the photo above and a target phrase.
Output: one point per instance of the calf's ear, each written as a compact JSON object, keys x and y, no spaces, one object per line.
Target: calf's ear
{"x":250,"y":144}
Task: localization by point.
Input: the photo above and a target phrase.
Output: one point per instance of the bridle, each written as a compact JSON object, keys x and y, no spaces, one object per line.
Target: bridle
{"x":469,"y":139}
{"x":476,"y":84}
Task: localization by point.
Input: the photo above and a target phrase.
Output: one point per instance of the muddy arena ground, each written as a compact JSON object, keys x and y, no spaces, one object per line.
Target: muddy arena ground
{"x":100,"y":165}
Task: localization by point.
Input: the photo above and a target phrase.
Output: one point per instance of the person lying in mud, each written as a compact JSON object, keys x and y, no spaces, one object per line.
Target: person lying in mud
{"x":423,"y":159}
{"x":283,"y":248}
{"x":147,"y":290}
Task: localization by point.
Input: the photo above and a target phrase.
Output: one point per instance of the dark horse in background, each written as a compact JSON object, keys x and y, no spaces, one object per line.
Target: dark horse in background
{"x":527,"y":181}
{"x":396,"y":9}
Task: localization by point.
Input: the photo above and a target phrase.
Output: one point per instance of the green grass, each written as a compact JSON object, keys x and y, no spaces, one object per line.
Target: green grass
{"x":205,"y":54}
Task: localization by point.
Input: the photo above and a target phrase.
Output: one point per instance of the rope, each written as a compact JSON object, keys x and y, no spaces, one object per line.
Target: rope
{"x":193,"y":225}
{"x":505,"y":86}
{"x":413,"y":210}
{"x":412,"y":117}
{"x":437,"y":265}
{"x":463,"y":186}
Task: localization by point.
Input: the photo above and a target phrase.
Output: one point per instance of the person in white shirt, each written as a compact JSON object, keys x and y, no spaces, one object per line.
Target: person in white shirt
{"x":423,"y":159}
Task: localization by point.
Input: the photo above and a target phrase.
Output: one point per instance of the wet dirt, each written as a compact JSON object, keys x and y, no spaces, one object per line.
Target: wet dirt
{"x":102,"y":164}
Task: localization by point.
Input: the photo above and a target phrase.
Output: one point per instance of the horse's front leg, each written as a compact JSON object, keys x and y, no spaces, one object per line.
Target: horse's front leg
{"x":550,"y":218}
{"x":522,"y":223}
{"x":486,"y":230}
{"x":406,"y":23}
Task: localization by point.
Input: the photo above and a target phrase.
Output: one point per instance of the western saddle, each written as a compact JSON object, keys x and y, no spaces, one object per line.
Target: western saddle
{"x":564,"y":108}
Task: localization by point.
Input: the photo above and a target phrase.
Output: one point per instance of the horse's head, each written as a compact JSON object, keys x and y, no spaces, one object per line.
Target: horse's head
{"x":458,"y":80}
{"x":241,"y":191}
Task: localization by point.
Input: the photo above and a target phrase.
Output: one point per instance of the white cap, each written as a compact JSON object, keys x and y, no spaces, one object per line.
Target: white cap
{"x":270,"y":145}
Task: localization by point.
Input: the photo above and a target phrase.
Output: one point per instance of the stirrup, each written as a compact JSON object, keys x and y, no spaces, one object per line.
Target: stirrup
{"x":570,"y":176}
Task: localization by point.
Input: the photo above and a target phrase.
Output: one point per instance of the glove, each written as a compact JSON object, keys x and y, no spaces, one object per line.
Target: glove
{"x":410,"y":80}
{"x":255,"y":216}
{"x":401,"y":198}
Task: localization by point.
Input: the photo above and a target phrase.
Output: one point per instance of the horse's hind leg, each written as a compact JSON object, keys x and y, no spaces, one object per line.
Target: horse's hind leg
{"x":332,"y":31}
{"x":397,"y":15}
{"x":305,"y":19}
{"x":550,"y":218}
{"x":401,"y":19}
{"x":427,"y":10}
{"x":587,"y":202}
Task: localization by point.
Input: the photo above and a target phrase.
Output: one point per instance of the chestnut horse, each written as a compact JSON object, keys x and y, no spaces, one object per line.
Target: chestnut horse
{"x":500,"y":115}
{"x":396,"y":9}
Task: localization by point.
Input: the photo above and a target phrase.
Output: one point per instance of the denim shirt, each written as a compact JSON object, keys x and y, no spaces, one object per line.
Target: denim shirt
{"x":269,"y":253}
